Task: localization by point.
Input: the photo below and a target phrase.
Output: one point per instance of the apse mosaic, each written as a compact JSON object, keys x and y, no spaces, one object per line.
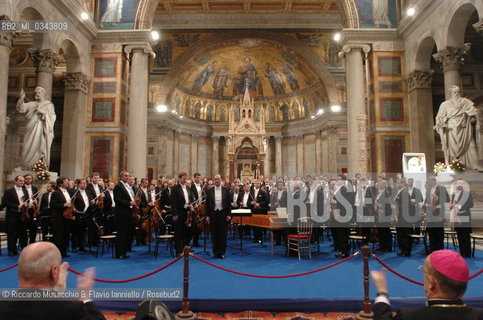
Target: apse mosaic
{"x":278,"y":80}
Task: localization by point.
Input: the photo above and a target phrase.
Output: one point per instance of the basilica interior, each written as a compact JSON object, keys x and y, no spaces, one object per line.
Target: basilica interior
{"x":239,"y":87}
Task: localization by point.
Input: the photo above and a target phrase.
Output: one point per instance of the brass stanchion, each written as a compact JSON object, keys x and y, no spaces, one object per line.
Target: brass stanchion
{"x":185,"y":313}
{"x":366,"y":312}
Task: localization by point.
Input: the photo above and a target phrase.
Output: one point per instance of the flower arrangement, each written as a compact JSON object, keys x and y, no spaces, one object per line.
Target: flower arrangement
{"x":439,"y":167}
{"x":41,"y":171}
{"x":457,"y":166}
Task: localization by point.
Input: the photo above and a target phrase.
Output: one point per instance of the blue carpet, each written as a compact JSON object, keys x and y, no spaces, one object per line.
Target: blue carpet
{"x":342,"y":283}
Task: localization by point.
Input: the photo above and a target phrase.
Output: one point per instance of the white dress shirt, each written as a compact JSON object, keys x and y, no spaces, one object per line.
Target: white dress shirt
{"x":111,"y":193}
{"x":83,"y":194}
{"x":245,"y":199}
{"x":66,"y":195}
{"x":186,"y":196}
{"x":20,"y":195}
{"x":218,"y":200}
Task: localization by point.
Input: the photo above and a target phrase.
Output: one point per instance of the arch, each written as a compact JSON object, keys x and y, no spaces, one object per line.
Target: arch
{"x":309,"y":57}
{"x":146,"y":10}
{"x":72,"y":56}
{"x":32,"y":10}
{"x":455,"y":32}
{"x":424,"y":53}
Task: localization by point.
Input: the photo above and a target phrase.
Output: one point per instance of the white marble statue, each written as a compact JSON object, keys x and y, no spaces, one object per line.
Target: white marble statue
{"x":39,"y":132}
{"x":113,"y":13}
{"x":457,"y":124}
{"x":380,"y":13}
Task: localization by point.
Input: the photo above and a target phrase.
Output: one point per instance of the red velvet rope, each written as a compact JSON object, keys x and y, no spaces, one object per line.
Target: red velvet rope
{"x":8,"y":268}
{"x":274,"y":277}
{"x":131,"y":279}
{"x":395,"y":272}
{"x":476,"y":274}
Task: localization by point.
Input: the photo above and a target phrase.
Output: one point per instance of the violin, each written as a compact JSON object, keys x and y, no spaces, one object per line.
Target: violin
{"x":69,"y":212}
{"x":100,"y":200}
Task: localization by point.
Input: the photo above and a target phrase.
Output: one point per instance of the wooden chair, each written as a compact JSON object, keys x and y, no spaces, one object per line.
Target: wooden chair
{"x":422,"y":235}
{"x":110,"y":240}
{"x":302,"y":239}
{"x":356,"y":241}
{"x":168,"y":239}
{"x":449,"y":233}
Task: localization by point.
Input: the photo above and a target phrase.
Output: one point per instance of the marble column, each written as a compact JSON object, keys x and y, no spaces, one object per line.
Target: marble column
{"x":231,"y":166}
{"x":176,"y":154}
{"x":451,"y":58}
{"x":138,"y":108}
{"x":194,"y":154}
{"x":300,"y":155}
{"x":421,"y":118}
{"x":332,"y":148}
{"x":6,"y":41}
{"x":278,"y":155}
{"x":162,"y":151}
{"x":318,"y":153}
{"x":355,"y":104}
{"x":216,"y":155}
{"x":268,"y":156}
{"x":74,"y":125}
{"x":45,"y":61}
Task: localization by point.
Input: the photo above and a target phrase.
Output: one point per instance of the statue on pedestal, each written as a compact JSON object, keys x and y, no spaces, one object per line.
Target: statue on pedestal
{"x":40,"y":118}
{"x":457,"y":124}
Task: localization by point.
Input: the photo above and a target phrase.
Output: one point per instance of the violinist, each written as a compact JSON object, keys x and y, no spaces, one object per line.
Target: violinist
{"x":197,"y":190}
{"x":125,"y":202}
{"x":45,"y":218}
{"x":84,"y":206}
{"x":165,"y":202}
{"x":96,"y":189}
{"x":31,"y":192}
{"x":59,"y":202}
{"x":13,"y":200}
{"x":132,"y":181}
{"x":181,"y":200}
{"x":436,"y":196}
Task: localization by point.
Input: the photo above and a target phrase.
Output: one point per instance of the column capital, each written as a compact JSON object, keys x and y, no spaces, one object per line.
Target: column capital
{"x":44,"y":60}
{"x":278,"y":139}
{"x":419,"y":80}
{"x":6,"y":38}
{"x":451,"y":57}
{"x":194,"y":138}
{"x":362,"y":46}
{"x":216,"y":139}
{"x":479,"y":26}
{"x":332,"y":130}
{"x":144,"y":47}
{"x":300,"y":139}
{"x":76,"y":81}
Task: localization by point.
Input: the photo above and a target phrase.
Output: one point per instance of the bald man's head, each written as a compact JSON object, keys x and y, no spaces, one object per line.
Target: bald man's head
{"x":38,"y":265}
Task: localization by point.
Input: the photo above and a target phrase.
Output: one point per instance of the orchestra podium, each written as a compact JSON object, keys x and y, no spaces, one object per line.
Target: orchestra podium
{"x":240,"y":213}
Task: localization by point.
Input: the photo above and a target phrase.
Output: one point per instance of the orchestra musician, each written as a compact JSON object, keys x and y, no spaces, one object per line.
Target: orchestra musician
{"x":109,"y":208}
{"x":197,"y":190}
{"x":315,"y":207}
{"x":45,"y":217}
{"x":165,"y":204}
{"x":416,"y":198}
{"x":383,"y":206}
{"x":31,"y":192}
{"x":181,"y":209}
{"x":260,"y":205}
{"x":14,"y":200}
{"x":60,"y":201}
{"x":218,"y":210}
{"x":402,"y":201}
{"x":436,"y":196}
{"x":340,"y":230}
{"x":124,"y":199}
{"x":364,"y":207}
{"x":461,"y":204}
{"x":144,"y":211}
{"x":83,"y":203}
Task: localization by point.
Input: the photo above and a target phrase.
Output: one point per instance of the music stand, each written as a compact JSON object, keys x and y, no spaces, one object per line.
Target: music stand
{"x":241,"y":213}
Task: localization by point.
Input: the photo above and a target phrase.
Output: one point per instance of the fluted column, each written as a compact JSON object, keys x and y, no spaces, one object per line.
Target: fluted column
{"x":74,"y":124}
{"x":45,"y":61}
{"x":138,"y":108}
{"x":451,"y":59}
{"x":162,"y":151}
{"x":300,"y":155}
{"x":216,"y":155}
{"x":355,"y":104}
{"x":332,"y":147}
{"x":194,"y":154}
{"x":278,"y":155}
{"x":6,"y":41}
{"x":421,"y":115}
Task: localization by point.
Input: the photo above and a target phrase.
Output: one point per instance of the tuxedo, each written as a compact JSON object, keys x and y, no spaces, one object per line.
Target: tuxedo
{"x":435,"y":218}
{"x":340,"y":231}
{"x":92,"y":190}
{"x":384,"y":218}
{"x":15,"y":225}
{"x":218,"y":216}
{"x":83,"y":221}
{"x":402,"y":201}
{"x":182,"y":232}
{"x":196,"y":197}
{"x":32,"y":223}
{"x":108,"y":214}
{"x":47,"y":310}
{"x":383,"y":311}
{"x":235,"y":198}
{"x":45,"y":219}
{"x":262,"y":199}
{"x":464,"y":203}
{"x":61,"y":226}
{"x":124,"y":217}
